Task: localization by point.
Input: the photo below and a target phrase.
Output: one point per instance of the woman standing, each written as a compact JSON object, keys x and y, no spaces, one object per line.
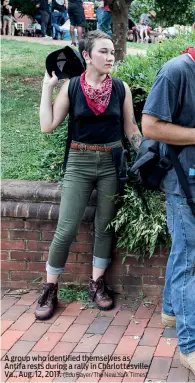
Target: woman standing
{"x":96,"y":129}
{"x":7,"y":18}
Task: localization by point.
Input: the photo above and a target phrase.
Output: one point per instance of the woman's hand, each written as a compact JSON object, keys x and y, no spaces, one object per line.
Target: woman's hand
{"x":52,"y":81}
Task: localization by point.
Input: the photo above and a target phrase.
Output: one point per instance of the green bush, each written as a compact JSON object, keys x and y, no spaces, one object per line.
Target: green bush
{"x":51,"y":168}
{"x":168,"y":49}
{"x":140,"y":71}
{"x":137,"y":230}
{"x":168,"y":12}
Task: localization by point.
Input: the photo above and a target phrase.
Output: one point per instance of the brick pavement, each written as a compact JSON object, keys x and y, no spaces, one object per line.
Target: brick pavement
{"x":131,"y":332}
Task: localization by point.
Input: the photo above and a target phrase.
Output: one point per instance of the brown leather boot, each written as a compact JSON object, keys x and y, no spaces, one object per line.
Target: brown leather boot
{"x":100,"y":295}
{"x":47,"y":301}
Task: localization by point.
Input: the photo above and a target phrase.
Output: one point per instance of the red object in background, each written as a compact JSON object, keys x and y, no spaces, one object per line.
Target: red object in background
{"x":191,"y":51}
{"x":88,"y":9}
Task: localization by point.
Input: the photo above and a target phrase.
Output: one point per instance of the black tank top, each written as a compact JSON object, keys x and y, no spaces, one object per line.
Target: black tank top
{"x":6,"y":11}
{"x":91,"y":129}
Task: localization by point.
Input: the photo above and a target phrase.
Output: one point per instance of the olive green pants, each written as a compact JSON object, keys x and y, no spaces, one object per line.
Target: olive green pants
{"x":85,"y":171}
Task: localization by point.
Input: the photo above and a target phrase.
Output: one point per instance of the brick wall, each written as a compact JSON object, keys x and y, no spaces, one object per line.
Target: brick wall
{"x":22,"y":19}
{"x":29,"y":218}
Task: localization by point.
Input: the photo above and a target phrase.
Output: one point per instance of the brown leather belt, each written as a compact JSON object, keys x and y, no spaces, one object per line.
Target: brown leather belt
{"x":76,"y":146}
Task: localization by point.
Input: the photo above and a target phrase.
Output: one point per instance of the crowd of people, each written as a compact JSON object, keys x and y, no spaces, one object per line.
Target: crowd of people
{"x":58,"y":11}
{"x":51,"y":16}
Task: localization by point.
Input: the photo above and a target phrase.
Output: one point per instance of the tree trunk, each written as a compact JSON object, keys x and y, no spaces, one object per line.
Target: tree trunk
{"x":120,"y":10}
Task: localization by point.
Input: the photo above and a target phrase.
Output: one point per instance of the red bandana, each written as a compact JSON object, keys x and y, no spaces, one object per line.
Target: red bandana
{"x":97,"y":99}
{"x":191,"y":51}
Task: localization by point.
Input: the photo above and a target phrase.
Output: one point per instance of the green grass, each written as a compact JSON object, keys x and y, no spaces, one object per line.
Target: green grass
{"x":20,"y":131}
{"x":24,"y":59}
{"x":23,"y":66}
{"x":75,"y":293}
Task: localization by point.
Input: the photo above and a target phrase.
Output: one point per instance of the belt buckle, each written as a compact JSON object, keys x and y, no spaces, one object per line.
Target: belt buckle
{"x":84,"y":148}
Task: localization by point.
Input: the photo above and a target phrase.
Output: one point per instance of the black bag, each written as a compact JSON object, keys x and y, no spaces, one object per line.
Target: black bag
{"x":120,"y":155}
{"x":150,"y":168}
{"x":72,"y":91}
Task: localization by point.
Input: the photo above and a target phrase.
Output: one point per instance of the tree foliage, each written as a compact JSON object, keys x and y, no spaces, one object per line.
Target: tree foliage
{"x":26,"y":7}
{"x":175,"y":11}
{"x":168,"y":12}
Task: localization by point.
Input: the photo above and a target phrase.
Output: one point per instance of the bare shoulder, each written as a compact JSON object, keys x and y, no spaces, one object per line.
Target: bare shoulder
{"x":125,"y":84}
{"x":127,"y":89}
{"x":65,"y":86}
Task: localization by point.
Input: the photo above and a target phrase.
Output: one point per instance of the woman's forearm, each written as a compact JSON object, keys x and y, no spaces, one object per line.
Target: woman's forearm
{"x":46,"y":108}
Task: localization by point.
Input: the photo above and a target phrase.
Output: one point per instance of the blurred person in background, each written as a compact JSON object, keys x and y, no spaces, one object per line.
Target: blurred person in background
{"x":99,"y":12}
{"x":77,"y":18}
{"x":106,"y":24}
{"x":43,"y":8}
{"x":7,"y":18}
{"x":145,"y":23}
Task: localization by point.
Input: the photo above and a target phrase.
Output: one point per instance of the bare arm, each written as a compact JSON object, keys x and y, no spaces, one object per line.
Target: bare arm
{"x":51,"y":116}
{"x":167,"y":132}
{"x":130,"y":126}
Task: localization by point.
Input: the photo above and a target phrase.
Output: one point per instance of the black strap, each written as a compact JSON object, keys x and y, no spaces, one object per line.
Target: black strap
{"x":120,"y":88}
{"x":72,"y":92}
{"x":181,"y":177}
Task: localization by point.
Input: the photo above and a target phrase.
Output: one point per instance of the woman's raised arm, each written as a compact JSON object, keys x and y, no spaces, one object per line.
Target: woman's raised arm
{"x":53,"y":114}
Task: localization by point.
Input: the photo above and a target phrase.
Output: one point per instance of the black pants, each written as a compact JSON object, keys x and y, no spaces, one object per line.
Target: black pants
{"x":44,"y":22}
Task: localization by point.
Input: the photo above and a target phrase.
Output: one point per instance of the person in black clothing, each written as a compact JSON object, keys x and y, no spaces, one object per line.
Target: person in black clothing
{"x":58,"y":15}
{"x":98,"y":115}
{"x":58,"y":8}
{"x":43,"y":7}
{"x":77,"y":18}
